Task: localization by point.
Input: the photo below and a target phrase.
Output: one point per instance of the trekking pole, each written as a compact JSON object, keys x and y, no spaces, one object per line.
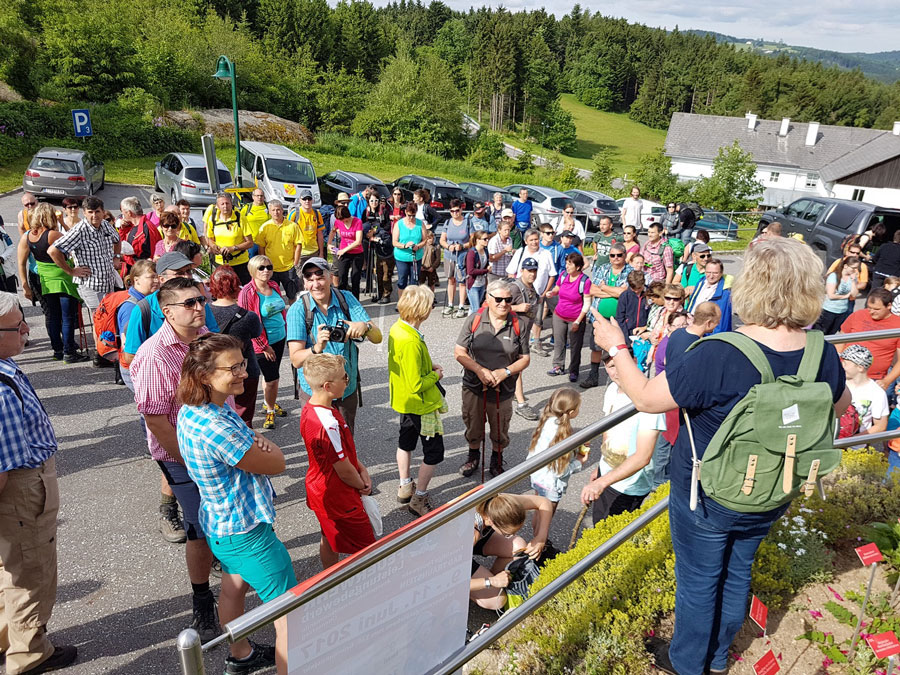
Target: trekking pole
{"x":81,"y":333}
{"x":500,"y":452}
{"x":578,"y":521}
{"x":484,"y":431}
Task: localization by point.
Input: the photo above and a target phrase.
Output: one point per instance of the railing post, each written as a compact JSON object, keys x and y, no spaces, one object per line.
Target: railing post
{"x":190,"y":654}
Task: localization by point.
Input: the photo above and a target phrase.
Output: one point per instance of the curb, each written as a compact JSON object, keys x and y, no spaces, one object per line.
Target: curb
{"x":11,"y":192}
{"x":138,"y":185}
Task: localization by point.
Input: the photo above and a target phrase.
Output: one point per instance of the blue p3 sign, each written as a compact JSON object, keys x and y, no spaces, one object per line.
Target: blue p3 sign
{"x":81,"y":119}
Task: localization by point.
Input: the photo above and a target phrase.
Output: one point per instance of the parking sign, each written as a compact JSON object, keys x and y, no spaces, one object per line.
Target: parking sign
{"x":81,"y":119}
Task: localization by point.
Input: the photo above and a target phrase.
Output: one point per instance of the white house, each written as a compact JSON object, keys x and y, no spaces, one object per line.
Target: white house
{"x":793,"y":159}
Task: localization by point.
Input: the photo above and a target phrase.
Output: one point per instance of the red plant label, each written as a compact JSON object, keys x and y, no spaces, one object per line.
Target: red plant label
{"x":869,"y":554}
{"x":758,"y":612}
{"x":767,"y":665}
{"x":884,"y":644}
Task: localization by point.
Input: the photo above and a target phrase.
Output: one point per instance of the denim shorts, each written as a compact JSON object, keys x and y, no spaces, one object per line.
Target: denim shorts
{"x":259,"y":558}
{"x":551,"y":494}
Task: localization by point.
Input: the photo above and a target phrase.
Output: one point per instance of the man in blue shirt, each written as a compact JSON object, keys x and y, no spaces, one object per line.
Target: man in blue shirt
{"x":169,"y":266}
{"x":360,"y":201}
{"x":566,"y":246}
{"x":29,"y":503}
{"x":321,"y":307}
{"x":522,"y":208}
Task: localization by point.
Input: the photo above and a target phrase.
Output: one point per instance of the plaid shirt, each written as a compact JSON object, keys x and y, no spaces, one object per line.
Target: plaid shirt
{"x":213,"y":440}
{"x":495,"y":245}
{"x":26,"y":435}
{"x":600,"y":276}
{"x":660,"y":257}
{"x":92,"y":248}
{"x":156,"y":372}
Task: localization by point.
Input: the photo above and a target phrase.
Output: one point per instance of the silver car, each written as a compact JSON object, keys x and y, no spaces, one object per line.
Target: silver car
{"x":61,"y":172}
{"x":595,"y":205}
{"x":182,"y":175}
{"x":547,"y":202}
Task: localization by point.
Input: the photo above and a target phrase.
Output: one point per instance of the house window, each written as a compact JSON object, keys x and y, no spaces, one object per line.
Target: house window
{"x":812,"y":180}
{"x":858,"y":194}
{"x":773,"y":177}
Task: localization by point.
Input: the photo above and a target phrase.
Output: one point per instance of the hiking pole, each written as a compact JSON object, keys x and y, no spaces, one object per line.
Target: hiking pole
{"x":578,"y":521}
{"x":484,"y":431}
{"x":500,"y":452}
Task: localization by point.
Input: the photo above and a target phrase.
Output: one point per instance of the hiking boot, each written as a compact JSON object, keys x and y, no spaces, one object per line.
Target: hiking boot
{"x":279,"y":411}
{"x":57,"y":356}
{"x":461,"y":313}
{"x":263,"y":656}
{"x":170,"y":524}
{"x":76,"y":357}
{"x":100,"y":362}
{"x":405,"y":493}
{"x":556,"y":370}
{"x":526,"y":411}
{"x":448,"y":310}
{"x":270,"y":420}
{"x":62,"y":656}
{"x":659,"y":649}
{"x":418,"y":505}
{"x":496,"y":464}
{"x":206,"y":618}
{"x":589,"y":382}
{"x":384,"y":300}
{"x":471,"y":464}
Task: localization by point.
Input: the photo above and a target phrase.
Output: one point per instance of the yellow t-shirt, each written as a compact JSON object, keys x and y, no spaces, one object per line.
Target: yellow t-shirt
{"x":310,"y":225}
{"x":280,"y":242}
{"x":227,"y":233}
{"x":187,"y":232}
{"x":254,"y":218}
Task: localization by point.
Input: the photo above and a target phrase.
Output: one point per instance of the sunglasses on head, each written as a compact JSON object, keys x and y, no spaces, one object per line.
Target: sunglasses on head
{"x":501,"y":300}
{"x":190,"y":302}
{"x":264,"y":268}
{"x":316,"y":273}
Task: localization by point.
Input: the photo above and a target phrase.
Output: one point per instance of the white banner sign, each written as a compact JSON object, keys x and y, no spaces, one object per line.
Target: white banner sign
{"x":402,"y":616}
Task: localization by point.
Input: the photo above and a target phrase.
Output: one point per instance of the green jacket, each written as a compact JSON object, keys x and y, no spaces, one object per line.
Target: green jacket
{"x":412,"y":380}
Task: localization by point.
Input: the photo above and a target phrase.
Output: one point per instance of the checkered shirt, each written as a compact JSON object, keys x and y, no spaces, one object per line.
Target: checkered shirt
{"x":213,"y":440}
{"x":92,"y":248}
{"x":156,"y":372}
{"x":27,"y":439}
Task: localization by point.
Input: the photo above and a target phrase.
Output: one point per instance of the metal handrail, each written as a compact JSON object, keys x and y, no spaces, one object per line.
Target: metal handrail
{"x":188,"y":642}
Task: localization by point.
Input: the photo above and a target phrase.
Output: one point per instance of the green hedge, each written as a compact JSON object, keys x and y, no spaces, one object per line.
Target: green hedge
{"x":119,"y":133}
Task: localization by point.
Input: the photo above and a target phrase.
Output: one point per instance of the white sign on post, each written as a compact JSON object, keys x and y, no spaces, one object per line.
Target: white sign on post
{"x":402,"y":616}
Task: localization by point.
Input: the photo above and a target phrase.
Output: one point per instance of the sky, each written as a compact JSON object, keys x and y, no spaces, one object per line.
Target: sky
{"x":839,"y":25}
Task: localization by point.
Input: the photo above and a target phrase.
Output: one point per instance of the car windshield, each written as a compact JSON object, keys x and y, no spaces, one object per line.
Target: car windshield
{"x":290,"y":171}
{"x":54,"y":164}
{"x":445,"y":194}
{"x":198,"y":175}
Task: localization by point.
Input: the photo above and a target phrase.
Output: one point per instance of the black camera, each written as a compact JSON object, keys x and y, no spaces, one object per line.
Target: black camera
{"x":337,"y":332}
{"x":228,"y":257}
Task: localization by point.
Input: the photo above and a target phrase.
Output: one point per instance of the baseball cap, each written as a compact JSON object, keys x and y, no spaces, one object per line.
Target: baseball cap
{"x":306,"y":194}
{"x":172,"y":261}
{"x":530,"y":264}
{"x":507,"y":213}
{"x":477,"y":205}
{"x":319,"y":263}
{"x":700,"y":247}
{"x":859,"y":355}
{"x":568,"y":233}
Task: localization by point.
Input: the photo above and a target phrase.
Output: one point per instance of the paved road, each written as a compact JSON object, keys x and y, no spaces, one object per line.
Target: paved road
{"x":123,"y":592}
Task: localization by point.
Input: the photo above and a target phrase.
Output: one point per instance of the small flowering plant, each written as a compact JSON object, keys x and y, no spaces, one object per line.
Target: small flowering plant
{"x":797,"y":537}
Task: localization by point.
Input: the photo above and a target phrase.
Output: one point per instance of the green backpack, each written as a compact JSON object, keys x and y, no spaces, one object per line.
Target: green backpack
{"x":776,"y":442}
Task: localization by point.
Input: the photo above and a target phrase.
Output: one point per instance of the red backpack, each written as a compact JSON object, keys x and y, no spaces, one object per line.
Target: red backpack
{"x":106,"y":327}
{"x":480,"y":313}
{"x":849,"y":423}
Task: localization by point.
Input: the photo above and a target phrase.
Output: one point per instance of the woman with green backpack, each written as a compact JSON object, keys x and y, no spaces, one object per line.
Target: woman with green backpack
{"x":758,"y":408}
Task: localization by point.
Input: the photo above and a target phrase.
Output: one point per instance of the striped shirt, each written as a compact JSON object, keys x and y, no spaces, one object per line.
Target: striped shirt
{"x":92,"y":247}
{"x":213,"y":440}
{"x":156,"y":372}
{"x":495,"y":245}
{"x":27,"y":439}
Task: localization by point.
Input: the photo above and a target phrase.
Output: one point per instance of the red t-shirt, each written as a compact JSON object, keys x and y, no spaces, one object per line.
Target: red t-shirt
{"x":328,"y":441}
{"x":882,"y":350}
{"x":144,"y":232}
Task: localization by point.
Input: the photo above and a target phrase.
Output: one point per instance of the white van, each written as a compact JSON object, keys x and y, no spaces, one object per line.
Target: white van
{"x":279,"y":171}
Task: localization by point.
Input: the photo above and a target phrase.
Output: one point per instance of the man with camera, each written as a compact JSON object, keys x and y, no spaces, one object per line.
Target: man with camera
{"x":326,"y":319}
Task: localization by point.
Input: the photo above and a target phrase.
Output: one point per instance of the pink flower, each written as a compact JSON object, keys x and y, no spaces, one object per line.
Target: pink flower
{"x":827,"y":662}
{"x":816,"y":614}
{"x":737,"y":657}
{"x":779,"y":656}
{"x":836,"y":595}
{"x":651,"y":632}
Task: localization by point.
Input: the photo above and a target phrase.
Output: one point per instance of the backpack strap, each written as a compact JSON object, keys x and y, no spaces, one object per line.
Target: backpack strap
{"x":748,"y":348}
{"x":812,"y":356}
{"x":9,"y":382}
{"x":237,"y":316}
{"x":144,"y":306}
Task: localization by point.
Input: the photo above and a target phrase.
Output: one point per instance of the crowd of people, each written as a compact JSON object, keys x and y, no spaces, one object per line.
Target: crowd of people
{"x":192,"y":315}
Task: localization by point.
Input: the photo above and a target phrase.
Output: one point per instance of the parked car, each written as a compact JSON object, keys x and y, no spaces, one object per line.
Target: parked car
{"x":483,"y":192}
{"x":60,"y":172}
{"x":181,"y":175}
{"x":651,"y":212}
{"x":279,"y":171}
{"x":719,"y":225}
{"x":350,"y":182}
{"x":548,"y":203}
{"x":824,"y":222}
{"x":442,"y":191}
{"x":594,"y":206}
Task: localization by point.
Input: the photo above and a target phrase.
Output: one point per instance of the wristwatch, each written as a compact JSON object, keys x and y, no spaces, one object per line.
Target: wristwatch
{"x":487,"y":583}
{"x":508,"y":372}
{"x":616,"y":349}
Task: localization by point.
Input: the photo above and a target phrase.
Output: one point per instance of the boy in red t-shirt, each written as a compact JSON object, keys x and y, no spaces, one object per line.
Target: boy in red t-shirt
{"x":335,"y":478}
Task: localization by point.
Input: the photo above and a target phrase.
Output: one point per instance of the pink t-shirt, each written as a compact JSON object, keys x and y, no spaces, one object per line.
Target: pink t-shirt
{"x":570,"y":300}
{"x":161,"y":248}
{"x":348,"y":234}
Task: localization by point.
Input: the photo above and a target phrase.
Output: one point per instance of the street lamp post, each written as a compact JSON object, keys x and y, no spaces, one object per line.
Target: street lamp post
{"x":225,"y":71}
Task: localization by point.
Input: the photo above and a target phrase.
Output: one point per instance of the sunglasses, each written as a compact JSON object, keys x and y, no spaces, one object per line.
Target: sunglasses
{"x":673,"y":299}
{"x":501,"y":301}
{"x":703,"y":255}
{"x":455,"y":210}
{"x":264,"y":268}
{"x":317,"y":274}
{"x":236,"y":369}
{"x":190,"y":303}
{"x":398,"y":193}
{"x":30,"y":204}
{"x":616,"y":255}
{"x":171,"y":227}
{"x":309,"y":199}
{"x":546,"y":231}
{"x":568,"y":213}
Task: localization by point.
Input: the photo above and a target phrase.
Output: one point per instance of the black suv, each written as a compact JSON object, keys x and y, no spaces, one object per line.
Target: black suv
{"x":825,"y":222}
{"x":442,"y":191}
{"x":351,"y":183}
{"x":483,"y":192}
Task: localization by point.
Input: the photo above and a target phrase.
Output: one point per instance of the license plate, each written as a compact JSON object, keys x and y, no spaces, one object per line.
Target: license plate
{"x":205,"y":191}
{"x":54,"y":191}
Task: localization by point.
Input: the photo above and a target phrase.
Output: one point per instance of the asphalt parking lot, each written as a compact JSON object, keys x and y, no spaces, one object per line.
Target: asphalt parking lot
{"x":123,"y":592}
